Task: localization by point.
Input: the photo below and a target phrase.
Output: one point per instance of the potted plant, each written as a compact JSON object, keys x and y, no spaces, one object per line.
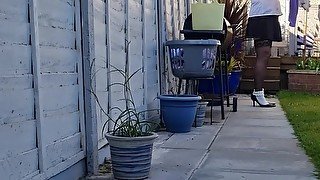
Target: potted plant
{"x":234,"y":71}
{"x":131,"y":138}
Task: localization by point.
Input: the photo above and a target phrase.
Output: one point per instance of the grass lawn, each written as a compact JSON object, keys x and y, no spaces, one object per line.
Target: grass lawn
{"x":303,"y":112}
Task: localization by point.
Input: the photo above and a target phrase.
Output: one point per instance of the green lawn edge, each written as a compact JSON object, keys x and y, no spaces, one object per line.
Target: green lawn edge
{"x":303,"y":113}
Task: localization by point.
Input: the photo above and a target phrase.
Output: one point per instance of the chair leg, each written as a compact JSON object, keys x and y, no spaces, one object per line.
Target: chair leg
{"x":211,"y":111}
{"x":221,"y":84}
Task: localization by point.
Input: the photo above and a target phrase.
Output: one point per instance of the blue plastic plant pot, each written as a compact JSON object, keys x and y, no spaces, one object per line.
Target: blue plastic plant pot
{"x":178,"y":112}
{"x":234,"y":81}
{"x":211,"y":86}
{"x":217,"y":85}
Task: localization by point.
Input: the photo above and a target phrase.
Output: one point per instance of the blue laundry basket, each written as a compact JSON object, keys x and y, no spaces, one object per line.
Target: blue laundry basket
{"x":193,"y":58}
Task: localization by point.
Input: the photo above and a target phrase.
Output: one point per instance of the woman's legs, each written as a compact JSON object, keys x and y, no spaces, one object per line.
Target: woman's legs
{"x":263,"y":51}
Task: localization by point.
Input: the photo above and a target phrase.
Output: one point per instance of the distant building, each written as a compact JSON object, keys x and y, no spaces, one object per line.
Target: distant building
{"x":296,"y":34}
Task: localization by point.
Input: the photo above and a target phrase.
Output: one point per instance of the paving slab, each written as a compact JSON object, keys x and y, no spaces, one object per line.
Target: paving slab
{"x":209,"y":175}
{"x":162,"y":138}
{"x":174,"y":164}
{"x":256,"y":110}
{"x":206,"y":129}
{"x":257,"y":132}
{"x":258,"y":122}
{"x":258,"y":115}
{"x":285,"y":145}
{"x":242,"y":161}
{"x":189,"y":141}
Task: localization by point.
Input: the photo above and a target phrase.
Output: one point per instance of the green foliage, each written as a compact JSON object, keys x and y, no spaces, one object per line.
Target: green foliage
{"x":309,"y":64}
{"x":302,"y":110}
{"x":233,"y":64}
{"x":127,"y":121}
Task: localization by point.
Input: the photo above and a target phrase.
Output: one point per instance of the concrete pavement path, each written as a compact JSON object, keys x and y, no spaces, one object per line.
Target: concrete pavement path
{"x":253,"y":143}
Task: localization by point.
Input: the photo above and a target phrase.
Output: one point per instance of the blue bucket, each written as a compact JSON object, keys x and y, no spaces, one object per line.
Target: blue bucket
{"x":178,"y":111}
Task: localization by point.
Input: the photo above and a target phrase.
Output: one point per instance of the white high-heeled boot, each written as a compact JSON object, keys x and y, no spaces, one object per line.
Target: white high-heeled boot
{"x":258,"y":96}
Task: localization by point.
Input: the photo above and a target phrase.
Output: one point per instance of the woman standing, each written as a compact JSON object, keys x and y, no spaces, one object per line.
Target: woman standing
{"x":264,"y":27}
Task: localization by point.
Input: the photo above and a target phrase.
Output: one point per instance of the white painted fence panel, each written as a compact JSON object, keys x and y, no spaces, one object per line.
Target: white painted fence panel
{"x":117,"y":42}
{"x":15,"y":59}
{"x":54,"y":59}
{"x":14,"y":32}
{"x":118,"y":36}
{"x":16,"y":82}
{"x":18,"y":147}
{"x":173,"y":21}
{"x":19,"y":166}
{"x":61,"y":93}
{"x":169,"y":19}
{"x":41,"y":106}
{"x":54,"y":131}
{"x":59,"y":79}
{"x":14,"y":10}
{"x":57,"y":37}
{"x":134,"y":21}
{"x":16,"y":105}
{"x":63,"y":149}
{"x":101,"y":72}
{"x":57,"y":14}
{"x":151,"y":57}
{"x":21,"y":136}
{"x":60,"y":100}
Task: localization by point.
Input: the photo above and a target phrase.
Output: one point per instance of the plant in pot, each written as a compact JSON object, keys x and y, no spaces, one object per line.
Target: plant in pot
{"x":234,"y":71}
{"x":131,"y":138}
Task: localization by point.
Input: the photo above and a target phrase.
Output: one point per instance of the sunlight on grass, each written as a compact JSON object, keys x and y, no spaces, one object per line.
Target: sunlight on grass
{"x":303,"y":112}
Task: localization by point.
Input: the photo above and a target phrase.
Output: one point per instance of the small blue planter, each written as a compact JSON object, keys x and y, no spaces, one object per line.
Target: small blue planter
{"x":178,"y":111}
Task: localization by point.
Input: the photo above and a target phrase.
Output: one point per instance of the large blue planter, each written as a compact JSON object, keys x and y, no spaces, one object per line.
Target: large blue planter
{"x":178,"y":111}
{"x":205,"y":86}
{"x":234,"y":81}
{"x":211,"y":86}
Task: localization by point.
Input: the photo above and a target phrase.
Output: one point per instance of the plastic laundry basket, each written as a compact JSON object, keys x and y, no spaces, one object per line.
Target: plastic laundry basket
{"x":193,"y":58}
